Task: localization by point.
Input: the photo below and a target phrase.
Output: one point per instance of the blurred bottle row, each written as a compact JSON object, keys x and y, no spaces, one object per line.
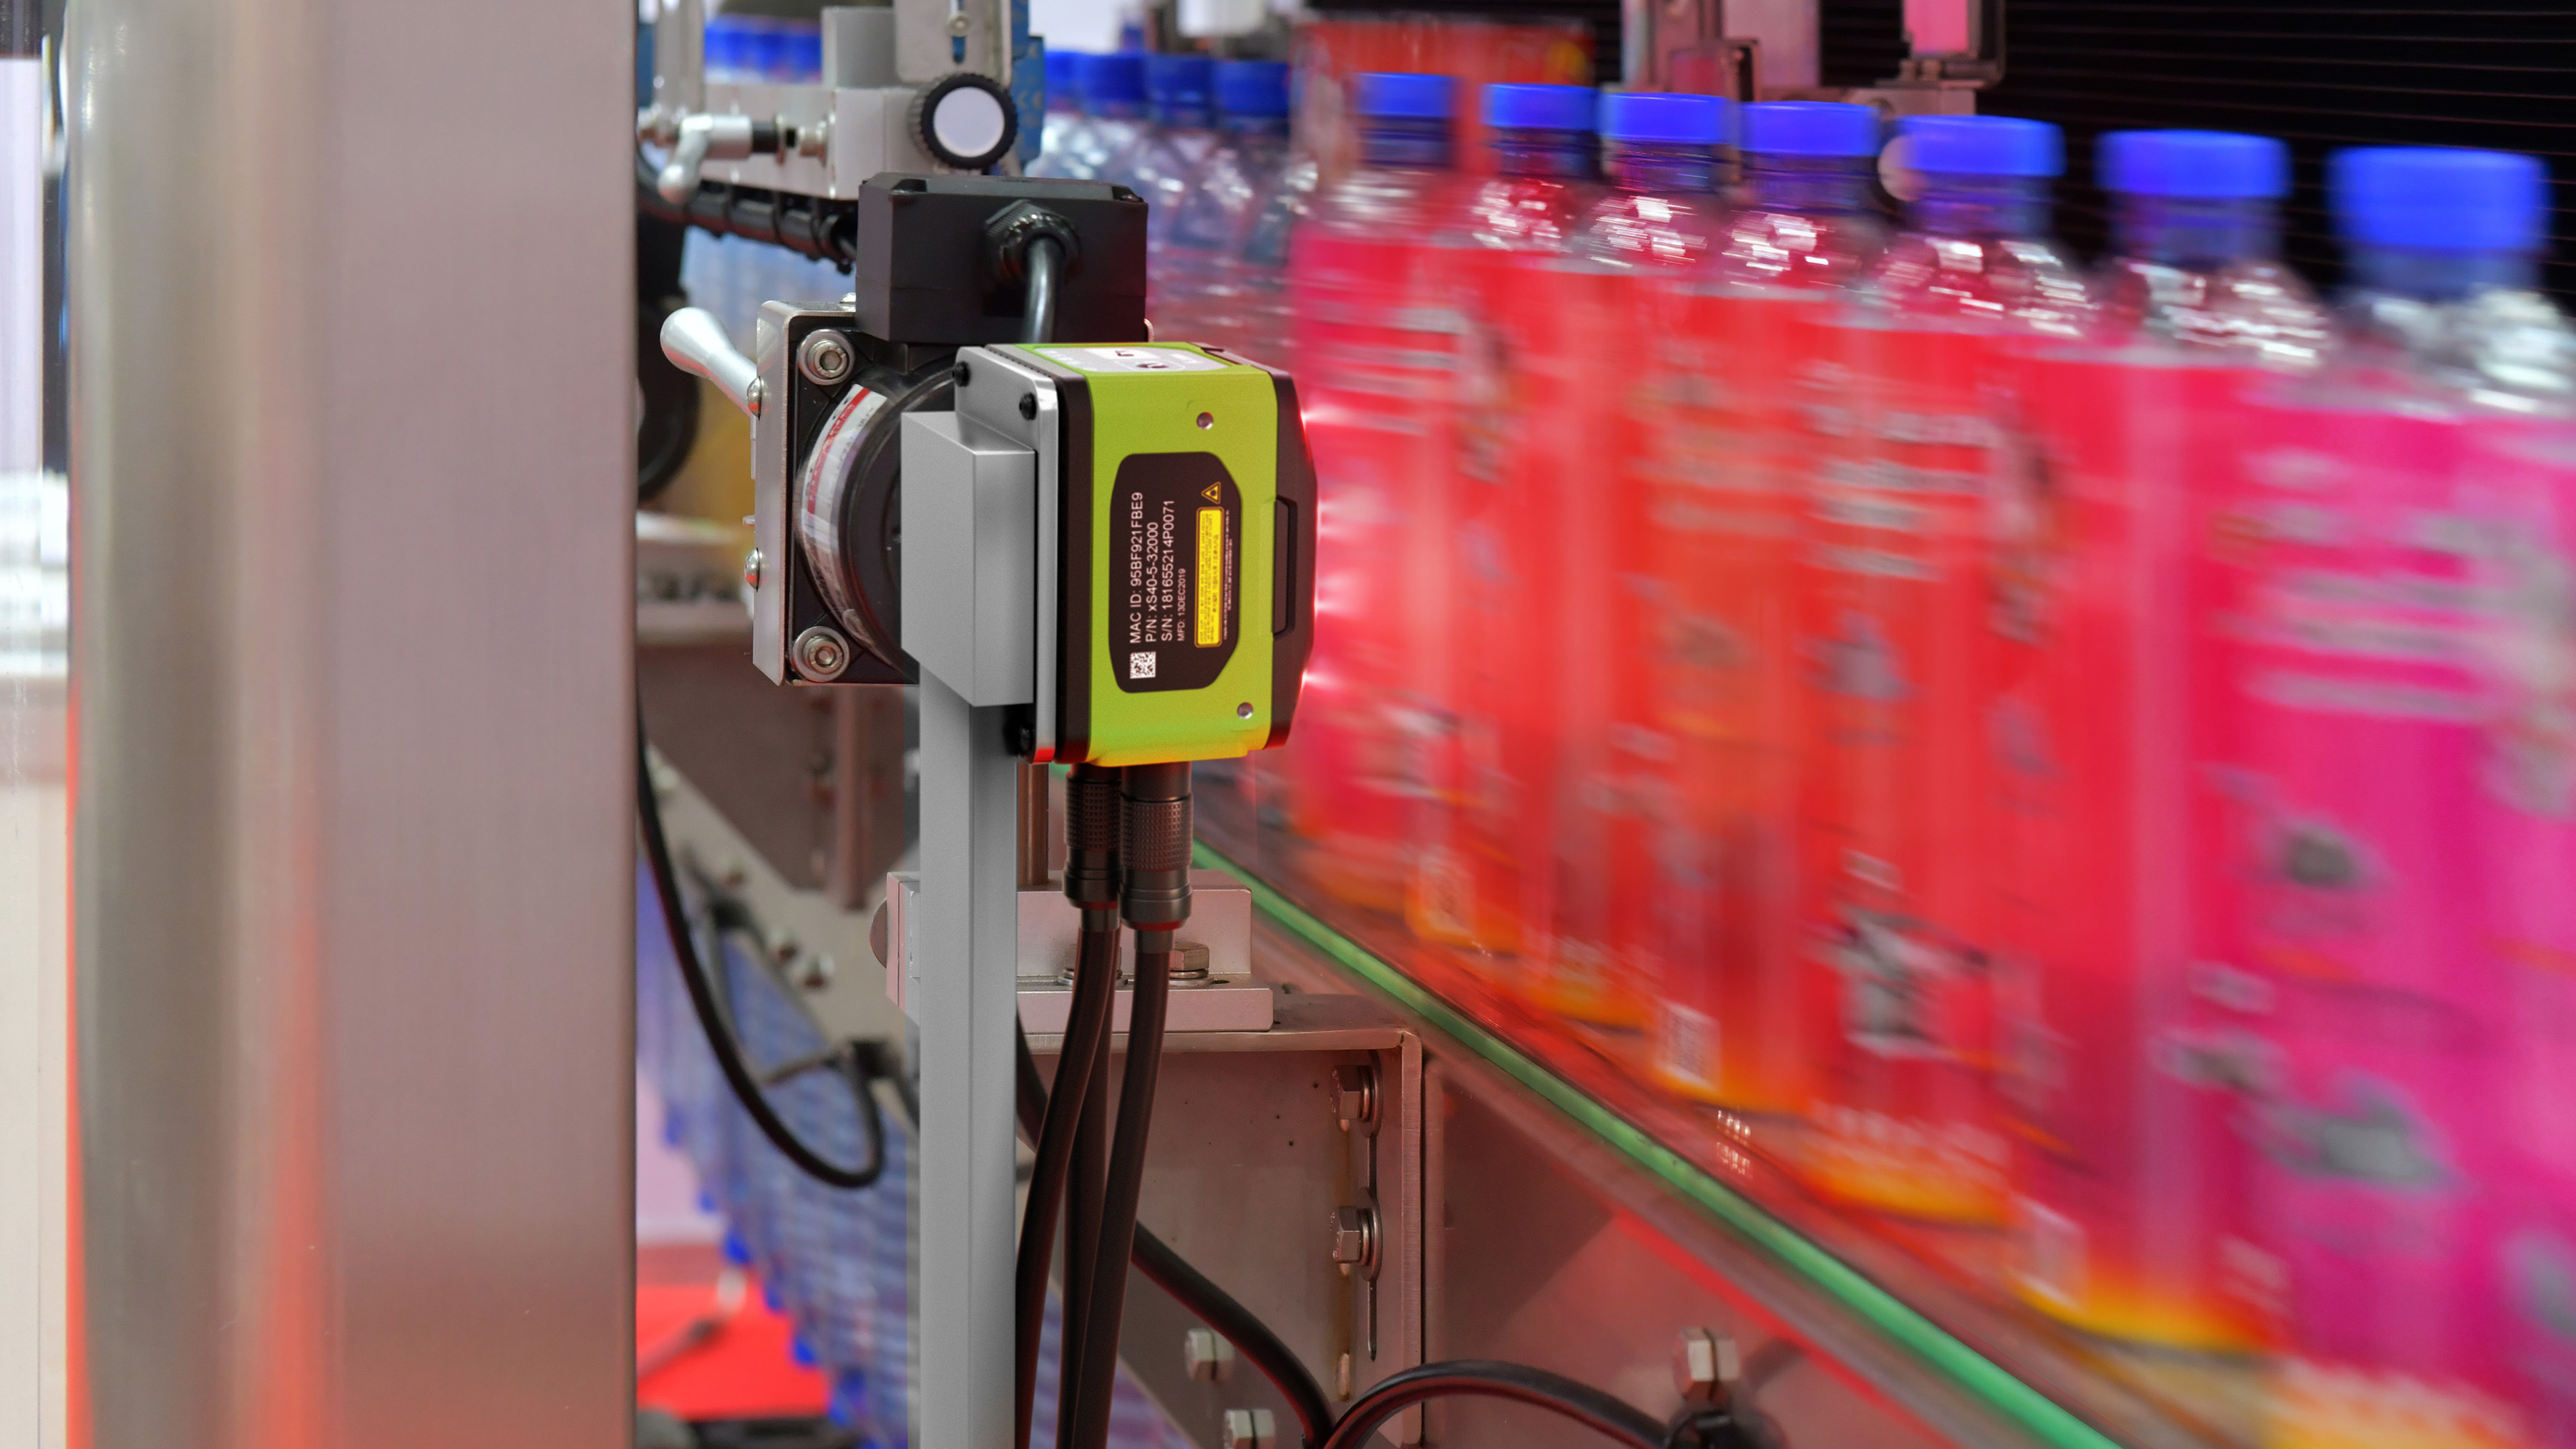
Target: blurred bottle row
{"x":1206,"y":144}
{"x":757,"y":49}
{"x":2086,"y":753}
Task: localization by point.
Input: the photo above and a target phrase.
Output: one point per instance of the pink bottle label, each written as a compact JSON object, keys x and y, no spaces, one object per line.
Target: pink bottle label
{"x":2381,"y":1143}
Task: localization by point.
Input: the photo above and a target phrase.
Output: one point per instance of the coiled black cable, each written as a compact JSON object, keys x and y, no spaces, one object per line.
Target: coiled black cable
{"x":718,"y":1024}
{"x":1611,"y":1417}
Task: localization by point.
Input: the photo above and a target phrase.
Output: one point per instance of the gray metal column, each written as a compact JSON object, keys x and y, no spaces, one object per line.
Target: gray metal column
{"x":969,"y":941}
{"x":352,"y":322}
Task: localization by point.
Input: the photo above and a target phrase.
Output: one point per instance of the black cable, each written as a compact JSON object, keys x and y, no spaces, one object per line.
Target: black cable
{"x":1091,"y":879}
{"x":825,"y":230}
{"x":721,"y":1041}
{"x":1046,"y":269}
{"x":1235,"y":1324}
{"x":1086,"y":1035}
{"x":1154,"y":897}
{"x":1611,"y":1417}
{"x":1084,"y":1199}
{"x":1199,"y":1294}
{"x":1098,"y":1366}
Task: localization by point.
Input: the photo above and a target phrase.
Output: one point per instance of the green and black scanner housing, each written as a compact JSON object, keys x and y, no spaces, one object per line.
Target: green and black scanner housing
{"x":1112,"y":535}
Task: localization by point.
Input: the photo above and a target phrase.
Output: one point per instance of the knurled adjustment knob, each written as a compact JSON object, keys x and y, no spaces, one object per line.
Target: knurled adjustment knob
{"x":966,"y":121}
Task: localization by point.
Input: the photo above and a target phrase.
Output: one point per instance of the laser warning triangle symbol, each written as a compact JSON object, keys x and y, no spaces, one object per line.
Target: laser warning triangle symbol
{"x":1210,"y":493}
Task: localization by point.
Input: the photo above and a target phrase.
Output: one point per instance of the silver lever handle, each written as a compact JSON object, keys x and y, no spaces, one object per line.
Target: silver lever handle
{"x":702,"y":139}
{"x":696,"y":342}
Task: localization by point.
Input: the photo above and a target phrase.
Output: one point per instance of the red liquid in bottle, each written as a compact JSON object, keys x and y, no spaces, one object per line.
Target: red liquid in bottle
{"x":1592,"y":954}
{"x":2133,"y":1023}
{"x":1920,"y":564}
{"x":1477,"y":857}
{"x":1722,"y":485}
{"x":1377,"y":349}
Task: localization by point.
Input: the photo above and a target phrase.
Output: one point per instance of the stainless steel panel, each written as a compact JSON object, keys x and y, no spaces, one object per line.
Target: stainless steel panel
{"x":1247,"y":1162}
{"x":352,"y":316}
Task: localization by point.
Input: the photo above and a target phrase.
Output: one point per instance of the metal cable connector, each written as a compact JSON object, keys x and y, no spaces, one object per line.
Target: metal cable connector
{"x":1154,"y":851}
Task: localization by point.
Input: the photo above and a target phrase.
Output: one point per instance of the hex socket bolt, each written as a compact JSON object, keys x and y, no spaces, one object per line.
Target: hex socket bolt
{"x":1154,"y":850}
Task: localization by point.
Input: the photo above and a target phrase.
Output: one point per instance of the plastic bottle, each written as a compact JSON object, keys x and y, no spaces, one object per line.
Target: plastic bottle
{"x":1724,"y":480}
{"x":1657,"y":229}
{"x":1197,"y":296}
{"x":1261,"y":294}
{"x":1376,"y":352}
{"x":1064,"y":119}
{"x":796,"y":54}
{"x":1113,"y":99}
{"x":1163,"y":160}
{"x":2403,"y":826}
{"x":727,"y":54}
{"x":1919,"y":554}
{"x":1516,"y":370}
{"x":2132,"y":1021}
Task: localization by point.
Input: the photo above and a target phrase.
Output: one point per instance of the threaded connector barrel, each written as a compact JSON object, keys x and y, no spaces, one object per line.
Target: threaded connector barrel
{"x":1154,"y":847}
{"x":1091,"y":864}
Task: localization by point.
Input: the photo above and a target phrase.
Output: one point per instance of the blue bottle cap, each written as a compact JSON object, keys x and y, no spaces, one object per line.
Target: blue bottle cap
{"x":1180,"y":80}
{"x":1984,"y":146}
{"x":2438,"y":198}
{"x":727,"y":43}
{"x":1115,"y":77}
{"x":1064,"y":72}
{"x":1540,"y":108}
{"x":1252,"y":87}
{"x":2216,"y":165}
{"x":1404,"y":94}
{"x":1810,"y":128}
{"x":1649,"y":118}
{"x":804,"y":55}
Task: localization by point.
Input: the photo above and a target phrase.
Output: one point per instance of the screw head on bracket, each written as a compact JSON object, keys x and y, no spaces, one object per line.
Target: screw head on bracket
{"x":752,"y":564}
{"x":821,"y":654}
{"x":1705,"y":1364}
{"x":1029,"y":406}
{"x":825,"y":357}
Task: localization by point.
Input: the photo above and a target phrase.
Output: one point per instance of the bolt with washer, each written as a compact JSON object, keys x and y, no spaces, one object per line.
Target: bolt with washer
{"x":1355,"y":1234}
{"x":1355,"y":1095}
{"x":825,"y":357}
{"x":821,"y":654}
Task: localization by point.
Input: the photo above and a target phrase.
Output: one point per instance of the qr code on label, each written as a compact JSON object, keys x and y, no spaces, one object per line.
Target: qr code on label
{"x":1140,"y":666}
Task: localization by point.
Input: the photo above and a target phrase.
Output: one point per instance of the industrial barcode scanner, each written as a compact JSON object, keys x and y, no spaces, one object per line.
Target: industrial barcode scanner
{"x":1088,"y":548}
